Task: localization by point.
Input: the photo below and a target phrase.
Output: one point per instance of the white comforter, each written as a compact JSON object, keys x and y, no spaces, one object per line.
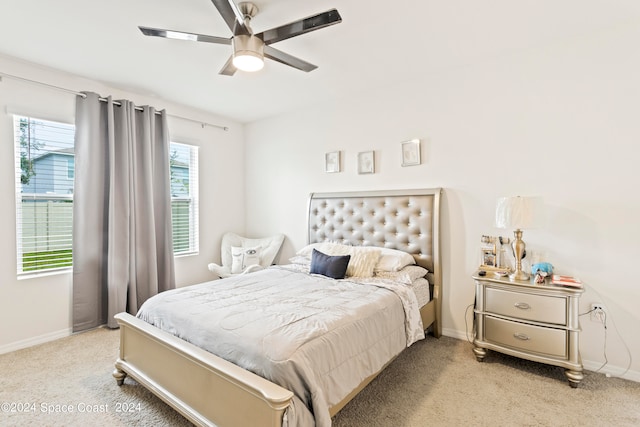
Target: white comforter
{"x":315,"y":336}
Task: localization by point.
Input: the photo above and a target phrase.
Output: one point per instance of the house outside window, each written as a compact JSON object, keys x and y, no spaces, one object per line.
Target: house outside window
{"x":45,"y":172}
{"x":71,"y":168}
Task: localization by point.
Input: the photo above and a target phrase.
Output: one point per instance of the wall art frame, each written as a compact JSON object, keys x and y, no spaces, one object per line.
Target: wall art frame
{"x":411,"y":152}
{"x":366,"y":162}
{"x":332,"y":162}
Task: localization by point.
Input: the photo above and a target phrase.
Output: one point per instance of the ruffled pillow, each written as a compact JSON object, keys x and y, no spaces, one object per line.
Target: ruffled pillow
{"x":363,"y":261}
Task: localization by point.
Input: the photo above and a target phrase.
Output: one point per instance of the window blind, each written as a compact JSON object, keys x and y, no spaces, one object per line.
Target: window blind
{"x":44,"y":154}
{"x":183,"y":160}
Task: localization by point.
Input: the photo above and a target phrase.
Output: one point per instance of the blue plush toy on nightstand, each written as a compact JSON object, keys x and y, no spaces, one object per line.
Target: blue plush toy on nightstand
{"x":541,"y":270}
{"x":542,"y":266}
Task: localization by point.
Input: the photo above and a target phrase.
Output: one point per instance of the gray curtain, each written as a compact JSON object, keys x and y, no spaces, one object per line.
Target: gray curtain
{"x":122,"y":237}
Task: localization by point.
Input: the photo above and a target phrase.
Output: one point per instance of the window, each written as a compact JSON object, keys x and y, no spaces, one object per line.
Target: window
{"x":45,"y":170}
{"x":44,"y":193}
{"x":71,"y":168}
{"x":184,"y":197}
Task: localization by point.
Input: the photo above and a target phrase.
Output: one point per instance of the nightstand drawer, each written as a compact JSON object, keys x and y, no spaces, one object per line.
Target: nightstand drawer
{"x":530,"y":338}
{"x":538,"y":308}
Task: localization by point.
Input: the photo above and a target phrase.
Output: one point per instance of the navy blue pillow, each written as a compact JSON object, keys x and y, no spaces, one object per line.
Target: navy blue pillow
{"x":327,"y":265}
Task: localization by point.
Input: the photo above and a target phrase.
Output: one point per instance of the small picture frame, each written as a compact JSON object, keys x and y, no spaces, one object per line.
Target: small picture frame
{"x":332,"y":162}
{"x":411,"y":152}
{"x":366,"y":162}
{"x":488,"y":258}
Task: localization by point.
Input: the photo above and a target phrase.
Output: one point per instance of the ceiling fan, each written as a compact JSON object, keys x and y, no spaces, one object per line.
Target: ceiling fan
{"x":249,"y":49}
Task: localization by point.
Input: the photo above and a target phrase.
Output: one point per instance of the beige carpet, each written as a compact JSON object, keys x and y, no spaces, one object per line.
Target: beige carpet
{"x":436,"y":382}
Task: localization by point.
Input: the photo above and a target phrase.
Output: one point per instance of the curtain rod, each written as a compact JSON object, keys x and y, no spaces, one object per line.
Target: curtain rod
{"x":73,"y":92}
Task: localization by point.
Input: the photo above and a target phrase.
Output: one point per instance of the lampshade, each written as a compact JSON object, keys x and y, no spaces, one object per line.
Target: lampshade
{"x":517,"y":212}
{"x":248,"y":53}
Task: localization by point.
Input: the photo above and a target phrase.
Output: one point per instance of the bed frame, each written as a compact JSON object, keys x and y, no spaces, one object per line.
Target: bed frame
{"x":208,"y":390}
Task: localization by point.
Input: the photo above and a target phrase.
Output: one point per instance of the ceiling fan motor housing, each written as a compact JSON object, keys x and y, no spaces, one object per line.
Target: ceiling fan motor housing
{"x":248,"y":52}
{"x":248,"y":9}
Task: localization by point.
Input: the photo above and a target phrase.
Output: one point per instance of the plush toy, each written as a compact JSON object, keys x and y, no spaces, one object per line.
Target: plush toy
{"x":540,"y":277}
{"x":542,"y":267}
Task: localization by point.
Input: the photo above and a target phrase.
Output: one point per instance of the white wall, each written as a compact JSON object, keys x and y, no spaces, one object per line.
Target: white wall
{"x":559,"y":122}
{"x":38,"y":309}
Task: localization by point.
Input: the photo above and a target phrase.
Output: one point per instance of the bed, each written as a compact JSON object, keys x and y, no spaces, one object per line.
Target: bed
{"x":208,"y":389}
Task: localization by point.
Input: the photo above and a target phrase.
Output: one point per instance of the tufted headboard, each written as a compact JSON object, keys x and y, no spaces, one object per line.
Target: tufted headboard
{"x":407,"y":220}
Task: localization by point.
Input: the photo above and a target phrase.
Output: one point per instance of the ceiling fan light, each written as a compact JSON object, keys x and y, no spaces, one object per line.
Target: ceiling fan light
{"x":248,"y":53}
{"x":248,"y":61}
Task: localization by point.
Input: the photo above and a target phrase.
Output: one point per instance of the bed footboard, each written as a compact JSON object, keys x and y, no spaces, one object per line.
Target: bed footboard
{"x":207,"y":390}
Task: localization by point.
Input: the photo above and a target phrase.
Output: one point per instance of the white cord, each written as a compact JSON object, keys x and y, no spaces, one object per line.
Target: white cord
{"x":601,"y":315}
{"x":623,"y":343}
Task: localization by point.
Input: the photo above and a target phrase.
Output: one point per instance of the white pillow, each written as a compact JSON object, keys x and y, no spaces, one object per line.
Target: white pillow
{"x":363,"y":261}
{"x":407,"y":275}
{"x":243,"y":258}
{"x":323,"y":247}
{"x":394,"y":260}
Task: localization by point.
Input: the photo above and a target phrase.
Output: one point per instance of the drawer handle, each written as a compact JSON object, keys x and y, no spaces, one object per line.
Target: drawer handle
{"x":521,"y":336}
{"x":522,"y":305}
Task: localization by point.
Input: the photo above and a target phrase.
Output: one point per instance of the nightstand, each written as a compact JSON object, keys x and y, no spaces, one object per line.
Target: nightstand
{"x":537,"y":322}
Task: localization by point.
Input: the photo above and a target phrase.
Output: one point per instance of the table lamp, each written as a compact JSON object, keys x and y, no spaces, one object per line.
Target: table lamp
{"x":518,"y":213}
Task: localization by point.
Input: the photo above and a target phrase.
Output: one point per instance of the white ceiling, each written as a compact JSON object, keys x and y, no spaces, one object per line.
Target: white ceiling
{"x":377,"y":43}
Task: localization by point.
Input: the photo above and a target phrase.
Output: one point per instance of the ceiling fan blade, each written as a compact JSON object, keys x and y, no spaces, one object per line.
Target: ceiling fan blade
{"x":302,"y":26}
{"x":232,"y":16}
{"x":286,"y":59}
{"x":181,"y":35}
{"x":228,"y":69}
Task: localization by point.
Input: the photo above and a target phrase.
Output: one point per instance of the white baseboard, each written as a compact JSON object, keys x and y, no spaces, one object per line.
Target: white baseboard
{"x":41,"y":339}
{"x":612,"y":371}
{"x":453,"y":333}
{"x":589,"y":365}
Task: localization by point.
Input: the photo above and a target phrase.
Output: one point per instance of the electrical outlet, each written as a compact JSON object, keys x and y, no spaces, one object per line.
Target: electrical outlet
{"x":597,"y":312}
